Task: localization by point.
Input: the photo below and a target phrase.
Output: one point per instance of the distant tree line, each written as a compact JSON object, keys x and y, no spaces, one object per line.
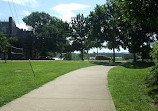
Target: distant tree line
{"x":130,"y":24}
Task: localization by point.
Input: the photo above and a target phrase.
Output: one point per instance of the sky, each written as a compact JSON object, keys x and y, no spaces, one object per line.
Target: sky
{"x":63,"y":9}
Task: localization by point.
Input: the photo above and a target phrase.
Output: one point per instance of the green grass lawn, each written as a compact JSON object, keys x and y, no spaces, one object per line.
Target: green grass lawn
{"x":14,"y":84}
{"x":128,"y":88}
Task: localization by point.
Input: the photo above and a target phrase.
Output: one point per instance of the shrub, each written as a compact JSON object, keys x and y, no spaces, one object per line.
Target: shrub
{"x":154,"y":71}
{"x":152,"y":78}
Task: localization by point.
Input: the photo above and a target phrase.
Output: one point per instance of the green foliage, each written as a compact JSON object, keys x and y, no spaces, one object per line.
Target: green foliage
{"x":51,"y":54}
{"x":79,"y":34}
{"x":86,"y":56}
{"x":152,"y":78}
{"x":137,"y":17}
{"x":105,"y":26}
{"x":127,"y":23}
{"x":4,"y":43}
{"x":96,"y":20}
{"x":68,"y":56}
{"x":76,"y":57}
{"x":14,"y":84}
{"x":37,"y":19}
{"x":143,"y":11}
{"x":50,"y":32}
{"x":155,"y":53}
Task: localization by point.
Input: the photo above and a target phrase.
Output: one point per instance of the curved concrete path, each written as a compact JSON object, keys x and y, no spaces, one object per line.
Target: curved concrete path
{"x":81,"y":90}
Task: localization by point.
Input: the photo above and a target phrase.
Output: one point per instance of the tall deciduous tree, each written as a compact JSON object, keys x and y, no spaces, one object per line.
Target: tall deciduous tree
{"x":140,"y":24}
{"x":79,"y":34}
{"x":96,"y":19}
{"x":105,"y":25}
{"x":50,"y":32}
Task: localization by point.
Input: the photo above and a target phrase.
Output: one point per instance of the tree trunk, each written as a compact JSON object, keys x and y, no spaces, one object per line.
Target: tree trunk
{"x":9,"y":54}
{"x":113,"y":54}
{"x":5,"y":57}
{"x":82,"y":54}
{"x":134,"y":59}
{"x":97,"y":51}
{"x":88,"y":55}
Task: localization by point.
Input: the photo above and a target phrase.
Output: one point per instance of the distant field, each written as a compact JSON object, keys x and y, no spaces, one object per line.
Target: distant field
{"x":16,"y":79}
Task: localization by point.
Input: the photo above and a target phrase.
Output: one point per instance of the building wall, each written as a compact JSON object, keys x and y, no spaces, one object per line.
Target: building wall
{"x":9,"y":29}
{"x":4,"y":27}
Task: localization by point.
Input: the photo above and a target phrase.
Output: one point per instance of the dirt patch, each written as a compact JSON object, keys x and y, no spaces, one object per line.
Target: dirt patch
{"x":26,"y":70}
{"x":154,"y":105}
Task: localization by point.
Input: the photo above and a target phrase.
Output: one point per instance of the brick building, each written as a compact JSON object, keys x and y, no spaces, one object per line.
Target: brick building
{"x":9,"y":29}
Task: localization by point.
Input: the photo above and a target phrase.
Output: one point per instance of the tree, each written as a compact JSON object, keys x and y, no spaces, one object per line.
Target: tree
{"x":105,"y":26}
{"x":79,"y":34}
{"x":143,"y":11}
{"x":138,"y":41}
{"x":50,"y":32}
{"x":37,"y":19}
{"x":4,"y":45}
{"x":114,"y":26}
{"x":63,"y":44}
{"x":96,"y":19}
{"x":111,"y":23}
{"x":137,"y":32}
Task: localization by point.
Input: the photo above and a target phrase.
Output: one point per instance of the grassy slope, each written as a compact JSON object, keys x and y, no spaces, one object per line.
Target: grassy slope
{"x":129,"y":92}
{"x":15,"y":84}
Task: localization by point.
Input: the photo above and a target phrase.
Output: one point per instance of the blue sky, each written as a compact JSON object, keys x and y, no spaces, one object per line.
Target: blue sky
{"x":63,"y":9}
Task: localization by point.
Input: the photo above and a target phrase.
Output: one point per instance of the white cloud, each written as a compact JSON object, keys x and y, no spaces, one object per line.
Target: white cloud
{"x":29,"y":3}
{"x":70,"y":7}
{"x":26,"y":13}
{"x":23,"y":26}
{"x":65,"y":11}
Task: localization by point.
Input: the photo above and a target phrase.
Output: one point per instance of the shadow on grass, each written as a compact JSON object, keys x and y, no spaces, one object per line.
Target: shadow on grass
{"x":138,"y":65}
{"x":131,"y":65}
{"x":106,"y":63}
{"x":153,"y":93}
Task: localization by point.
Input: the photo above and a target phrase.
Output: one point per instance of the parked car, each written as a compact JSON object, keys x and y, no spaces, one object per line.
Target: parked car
{"x":100,"y":57}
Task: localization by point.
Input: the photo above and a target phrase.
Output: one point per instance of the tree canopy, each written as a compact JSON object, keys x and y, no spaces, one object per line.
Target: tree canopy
{"x":126,"y":23}
{"x":50,"y":32}
{"x":79,"y":28}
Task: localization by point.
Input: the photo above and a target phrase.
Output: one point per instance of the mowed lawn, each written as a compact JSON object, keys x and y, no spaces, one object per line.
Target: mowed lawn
{"x":128,"y":87}
{"x":16,"y":79}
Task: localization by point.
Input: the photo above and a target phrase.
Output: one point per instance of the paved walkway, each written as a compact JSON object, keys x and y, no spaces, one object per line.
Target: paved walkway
{"x":81,"y":90}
